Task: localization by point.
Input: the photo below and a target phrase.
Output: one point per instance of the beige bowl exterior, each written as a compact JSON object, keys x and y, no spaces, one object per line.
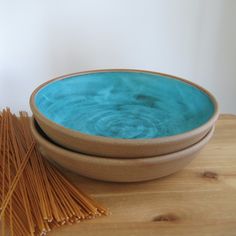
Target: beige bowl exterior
{"x":120,"y":148}
{"x":118,"y":170}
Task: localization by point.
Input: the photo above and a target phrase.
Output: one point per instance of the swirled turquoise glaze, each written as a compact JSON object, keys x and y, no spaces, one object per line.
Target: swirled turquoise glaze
{"x":128,"y":105}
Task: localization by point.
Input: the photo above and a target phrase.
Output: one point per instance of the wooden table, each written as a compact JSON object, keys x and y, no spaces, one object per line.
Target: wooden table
{"x":199,"y":200}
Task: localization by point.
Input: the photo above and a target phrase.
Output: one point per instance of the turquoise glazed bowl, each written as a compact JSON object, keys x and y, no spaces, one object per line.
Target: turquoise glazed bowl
{"x":117,"y":169}
{"x":123,"y":113}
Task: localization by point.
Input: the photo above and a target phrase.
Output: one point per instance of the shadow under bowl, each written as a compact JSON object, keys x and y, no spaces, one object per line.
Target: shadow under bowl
{"x":117,"y":170}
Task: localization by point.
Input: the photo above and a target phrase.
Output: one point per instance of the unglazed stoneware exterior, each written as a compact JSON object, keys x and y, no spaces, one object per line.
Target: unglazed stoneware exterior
{"x":123,"y":113}
{"x":117,"y":170}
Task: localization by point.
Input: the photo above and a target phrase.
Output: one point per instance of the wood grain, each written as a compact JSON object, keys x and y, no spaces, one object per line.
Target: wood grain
{"x":199,"y":200}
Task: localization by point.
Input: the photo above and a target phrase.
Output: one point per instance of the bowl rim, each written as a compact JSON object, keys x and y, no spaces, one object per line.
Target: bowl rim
{"x":110,"y":140}
{"x":46,"y":142}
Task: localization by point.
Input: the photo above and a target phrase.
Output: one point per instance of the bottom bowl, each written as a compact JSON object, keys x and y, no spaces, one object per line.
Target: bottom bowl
{"x":117,"y":170}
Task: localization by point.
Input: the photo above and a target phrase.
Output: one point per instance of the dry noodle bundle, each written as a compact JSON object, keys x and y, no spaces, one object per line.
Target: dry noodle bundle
{"x":34,"y":196}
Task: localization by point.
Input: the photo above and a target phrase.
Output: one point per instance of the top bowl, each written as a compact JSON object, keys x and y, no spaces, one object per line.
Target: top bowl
{"x":123,"y":113}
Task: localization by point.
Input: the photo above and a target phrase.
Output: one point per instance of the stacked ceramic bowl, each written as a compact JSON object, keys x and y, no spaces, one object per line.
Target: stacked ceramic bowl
{"x":122,"y":125}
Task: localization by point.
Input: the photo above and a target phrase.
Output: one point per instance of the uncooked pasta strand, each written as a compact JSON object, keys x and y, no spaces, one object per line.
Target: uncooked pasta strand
{"x":19,"y":154}
{"x":49,"y":199}
{"x":44,"y":207}
{"x":3,"y":168}
{"x":15,"y":180}
{"x":9,"y":175}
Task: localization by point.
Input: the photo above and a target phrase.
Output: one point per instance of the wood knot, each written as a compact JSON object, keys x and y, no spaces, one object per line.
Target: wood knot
{"x":210,"y":175}
{"x":166,"y":217}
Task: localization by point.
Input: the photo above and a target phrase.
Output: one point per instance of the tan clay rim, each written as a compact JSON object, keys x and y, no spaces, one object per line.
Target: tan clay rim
{"x":44,"y":142}
{"x":114,"y":141}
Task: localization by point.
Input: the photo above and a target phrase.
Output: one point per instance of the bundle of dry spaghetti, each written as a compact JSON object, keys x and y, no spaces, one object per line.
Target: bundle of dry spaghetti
{"x":34,"y":196}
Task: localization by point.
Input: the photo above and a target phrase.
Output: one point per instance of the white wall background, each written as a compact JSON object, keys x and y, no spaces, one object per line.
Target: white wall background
{"x":39,"y":40}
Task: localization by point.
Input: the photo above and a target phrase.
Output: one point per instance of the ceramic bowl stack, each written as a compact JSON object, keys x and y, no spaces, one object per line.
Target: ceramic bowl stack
{"x":122,"y":125}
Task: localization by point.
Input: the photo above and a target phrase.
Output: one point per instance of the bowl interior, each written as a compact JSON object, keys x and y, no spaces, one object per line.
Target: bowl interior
{"x":124,"y":104}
